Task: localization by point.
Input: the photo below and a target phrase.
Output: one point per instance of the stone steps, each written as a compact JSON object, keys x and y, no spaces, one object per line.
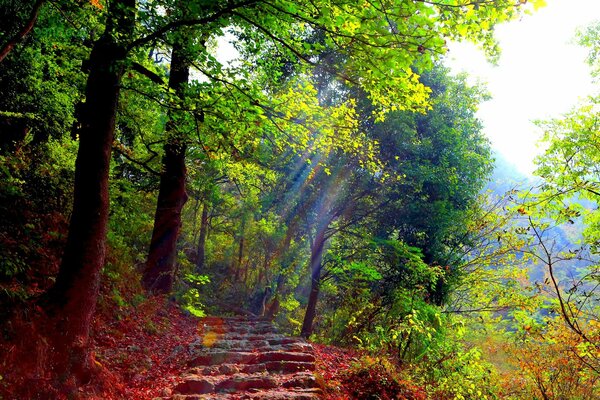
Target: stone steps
{"x":269,"y":366}
{"x":243,"y":358}
{"x":275,"y":394}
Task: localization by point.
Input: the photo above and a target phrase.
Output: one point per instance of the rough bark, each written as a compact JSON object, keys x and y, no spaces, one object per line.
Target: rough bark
{"x":201,"y":251}
{"x":316,"y":264}
{"x":172,"y":196}
{"x":72,"y":300}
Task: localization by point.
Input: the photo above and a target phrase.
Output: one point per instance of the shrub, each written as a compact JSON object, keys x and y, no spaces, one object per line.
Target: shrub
{"x":377,"y":378}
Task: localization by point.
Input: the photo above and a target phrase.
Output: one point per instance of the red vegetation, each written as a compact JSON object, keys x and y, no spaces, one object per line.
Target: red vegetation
{"x":331,"y":363}
{"x":143,"y":353}
{"x":348,"y":375}
{"x":139,"y":357}
{"x":148,"y":351}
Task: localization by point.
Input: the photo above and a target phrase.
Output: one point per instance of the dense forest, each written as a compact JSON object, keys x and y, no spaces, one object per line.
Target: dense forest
{"x":308,"y":163}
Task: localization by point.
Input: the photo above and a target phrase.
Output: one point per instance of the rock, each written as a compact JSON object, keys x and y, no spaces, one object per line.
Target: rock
{"x":221,"y":357}
{"x":282,"y":340}
{"x":196,"y":385}
{"x":304,"y":381}
{"x":253,"y":368}
{"x":229,"y":369}
{"x":286,"y":395}
{"x":246,"y":382}
{"x":212,"y":370}
{"x":289,"y":366}
{"x":189,"y":397}
{"x":298,"y":346}
{"x":241,"y":358}
{"x":285,"y":356}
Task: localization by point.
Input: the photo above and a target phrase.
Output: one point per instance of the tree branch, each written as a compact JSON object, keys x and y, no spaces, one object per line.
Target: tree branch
{"x":154,"y":77}
{"x":189,"y":22}
{"x":12,"y":42}
{"x":142,"y":164}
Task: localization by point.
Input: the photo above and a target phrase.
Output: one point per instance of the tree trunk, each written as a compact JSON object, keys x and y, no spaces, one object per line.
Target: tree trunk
{"x":316,"y":264}
{"x":240,"y":257}
{"x":245,"y":272}
{"x":281,"y":253}
{"x":201,"y":253}
{"x":160,"y":267}
{"x":263,"y":273}
{"x":72,"y":299}
{"x":273,"y":308}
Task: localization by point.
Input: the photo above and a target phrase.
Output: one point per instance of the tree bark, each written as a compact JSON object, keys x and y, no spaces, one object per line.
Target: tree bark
{"x":316,"y":264}
{"x":237,"y":264}
{"x":12,"y":42}
{"x":72,"y":299}
{"x":160,"y":266}
{"x":201,"y":252}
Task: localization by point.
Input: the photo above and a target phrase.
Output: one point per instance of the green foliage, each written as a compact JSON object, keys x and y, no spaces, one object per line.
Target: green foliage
{"x":335,"y":124}
{"x":460,"y":374}
{"x":36,"y":178}
{"x":542,"y":243}
{"x":44,"y":78}
{"x":190,"y":299}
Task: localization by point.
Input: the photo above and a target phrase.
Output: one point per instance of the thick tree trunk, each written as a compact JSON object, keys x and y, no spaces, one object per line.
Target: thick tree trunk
{"x":158,"y":275}
{"x":160,"y":267}
{"x":72,"y":300}
{"x":201,"y":252}
{"x":316,"y":264}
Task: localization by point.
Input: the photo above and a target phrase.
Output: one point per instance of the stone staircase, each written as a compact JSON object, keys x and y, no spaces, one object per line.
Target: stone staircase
{"x":244,"y":358}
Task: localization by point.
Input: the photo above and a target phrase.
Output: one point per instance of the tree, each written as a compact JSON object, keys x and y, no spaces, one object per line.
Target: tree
{"x":266,"y":25}
{"x":73,"y":297}
{"x":382,"y":45}
{"x":418,"y":221}
{"x":443,"y":161}
{"x":158,"y":274}
{"x":339,"y":200}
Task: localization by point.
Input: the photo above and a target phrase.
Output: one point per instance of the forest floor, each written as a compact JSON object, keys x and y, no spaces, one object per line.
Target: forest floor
{"x":146,"y":353}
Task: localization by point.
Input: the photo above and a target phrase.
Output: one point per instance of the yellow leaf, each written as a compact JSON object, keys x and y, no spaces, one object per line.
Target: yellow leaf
{"x":537,"y":4}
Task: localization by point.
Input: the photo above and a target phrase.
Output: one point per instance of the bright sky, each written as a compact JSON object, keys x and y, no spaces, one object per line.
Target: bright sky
{"x":541,"y":74}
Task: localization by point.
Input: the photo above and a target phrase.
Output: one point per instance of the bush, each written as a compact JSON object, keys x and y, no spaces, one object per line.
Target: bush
{"x":377,"y":378}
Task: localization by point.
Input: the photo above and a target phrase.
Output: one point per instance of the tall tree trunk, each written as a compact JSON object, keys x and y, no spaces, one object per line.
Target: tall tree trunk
{"x":316,"y":265}
{"x":201,"y":253}
{"x":72,"y":299}
{"x":160,"y":267}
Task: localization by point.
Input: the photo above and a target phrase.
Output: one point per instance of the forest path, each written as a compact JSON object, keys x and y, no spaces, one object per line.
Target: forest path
{"x":244,"y":358}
